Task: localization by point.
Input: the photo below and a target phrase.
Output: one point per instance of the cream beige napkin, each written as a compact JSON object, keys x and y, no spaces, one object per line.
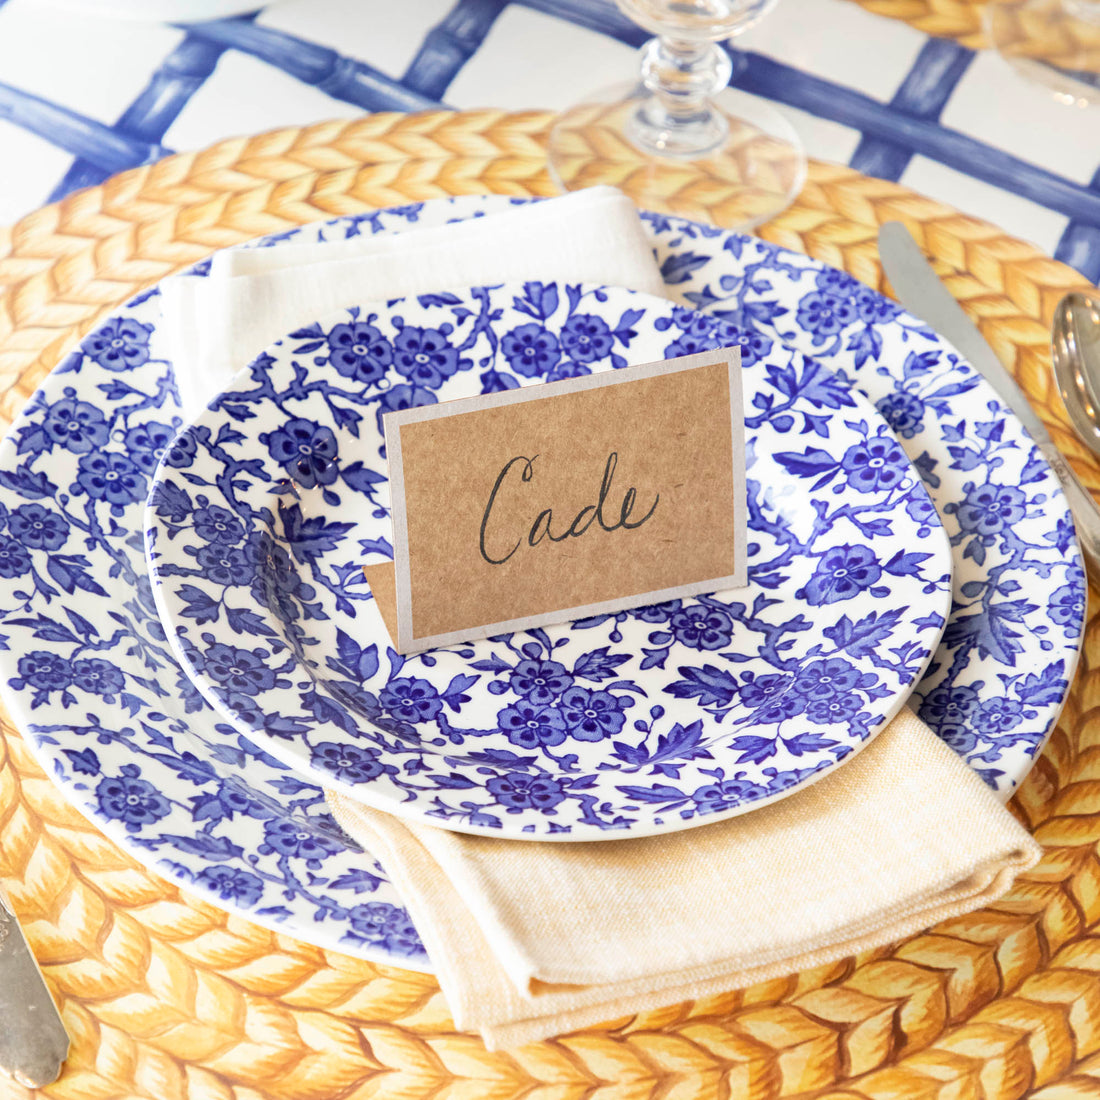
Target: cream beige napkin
{"x":253,"y":297}
{"x":531,"y":940}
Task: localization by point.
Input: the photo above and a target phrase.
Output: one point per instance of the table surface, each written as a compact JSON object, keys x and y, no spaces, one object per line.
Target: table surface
{"x":907,"y":98}
{"x":168,"y":997}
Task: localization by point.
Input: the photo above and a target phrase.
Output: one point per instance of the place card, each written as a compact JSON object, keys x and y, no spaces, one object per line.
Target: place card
{"x":565,"y":500}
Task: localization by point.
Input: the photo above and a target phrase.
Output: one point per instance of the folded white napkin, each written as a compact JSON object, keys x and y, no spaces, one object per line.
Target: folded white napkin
{"x":532,"y":939}
{"x":253,"y":297}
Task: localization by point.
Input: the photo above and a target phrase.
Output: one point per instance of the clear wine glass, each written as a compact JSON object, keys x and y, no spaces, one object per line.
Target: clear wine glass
{"x":680,"y":140}
{"x":1053,"y":42}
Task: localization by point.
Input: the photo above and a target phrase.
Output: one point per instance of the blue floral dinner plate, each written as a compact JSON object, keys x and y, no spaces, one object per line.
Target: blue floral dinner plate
{"x":265,"y":509}
{"x":187,"y":796}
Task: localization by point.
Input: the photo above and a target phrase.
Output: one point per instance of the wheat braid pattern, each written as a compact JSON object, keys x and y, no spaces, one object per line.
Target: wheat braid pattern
{"x":1036,"y":33}
{"x":958,"y":19}
{"x":168,"y":997}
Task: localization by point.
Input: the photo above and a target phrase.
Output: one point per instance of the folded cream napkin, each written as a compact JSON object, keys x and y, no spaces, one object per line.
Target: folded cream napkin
{"x":253,"y":297}
{"x":531,"y":940}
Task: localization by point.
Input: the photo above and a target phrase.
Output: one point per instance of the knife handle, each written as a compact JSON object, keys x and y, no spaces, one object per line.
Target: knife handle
{"x":1086,"y":512}
{"x":33,"y":1040}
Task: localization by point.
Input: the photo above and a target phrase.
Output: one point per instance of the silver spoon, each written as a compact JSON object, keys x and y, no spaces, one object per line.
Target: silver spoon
{"x":1075,"y":344}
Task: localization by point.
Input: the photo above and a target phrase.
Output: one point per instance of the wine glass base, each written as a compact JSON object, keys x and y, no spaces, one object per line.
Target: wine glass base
{"x":1052,"y":42}
{"x":753,"y":172}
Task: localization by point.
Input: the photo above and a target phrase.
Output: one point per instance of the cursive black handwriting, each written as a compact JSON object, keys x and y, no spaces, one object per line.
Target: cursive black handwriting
{"x":582,"y":521}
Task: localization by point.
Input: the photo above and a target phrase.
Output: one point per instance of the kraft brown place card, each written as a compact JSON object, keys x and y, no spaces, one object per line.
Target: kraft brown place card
{"x":556,"y":502}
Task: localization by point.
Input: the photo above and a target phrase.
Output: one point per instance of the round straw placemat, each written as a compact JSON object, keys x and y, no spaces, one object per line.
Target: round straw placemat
{"x":958,"y":19}
{"x":1038,"y":33}
{"x":167,"y":997}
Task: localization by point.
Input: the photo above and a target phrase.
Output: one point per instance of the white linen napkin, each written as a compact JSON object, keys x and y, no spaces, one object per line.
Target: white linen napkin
{"x":531,"y":939}
{"x":253,"y":297}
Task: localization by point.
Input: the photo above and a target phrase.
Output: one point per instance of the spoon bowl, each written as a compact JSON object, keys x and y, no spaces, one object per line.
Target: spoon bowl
{"x":1075,"y":344}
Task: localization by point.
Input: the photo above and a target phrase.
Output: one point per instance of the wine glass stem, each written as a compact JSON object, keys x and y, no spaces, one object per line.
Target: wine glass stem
{"x":676,"y":118}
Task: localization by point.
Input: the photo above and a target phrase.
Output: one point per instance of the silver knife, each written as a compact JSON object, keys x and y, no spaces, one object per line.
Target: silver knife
{"x":33,"y":1040}
{"x":920,"y":291}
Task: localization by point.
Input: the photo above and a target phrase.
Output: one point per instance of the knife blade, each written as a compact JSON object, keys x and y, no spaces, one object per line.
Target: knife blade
{"x":920,"y":290}
{"x":33,"y":1041}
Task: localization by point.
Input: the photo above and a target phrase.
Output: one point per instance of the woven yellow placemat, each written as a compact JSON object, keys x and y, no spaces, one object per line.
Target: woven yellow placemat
{"x":958,"y":19}
{"x":1040,"y":32}
{"x":167,"y":997}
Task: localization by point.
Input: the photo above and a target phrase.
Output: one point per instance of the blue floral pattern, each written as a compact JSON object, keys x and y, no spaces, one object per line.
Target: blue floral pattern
{"x":1019,"y":589}
{"x":222,"y":787}
{"x":631,"y":714}
{"x":90,"y":679}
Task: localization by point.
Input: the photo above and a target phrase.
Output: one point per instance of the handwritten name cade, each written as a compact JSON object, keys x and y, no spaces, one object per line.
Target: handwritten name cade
{"x":565,"y":500}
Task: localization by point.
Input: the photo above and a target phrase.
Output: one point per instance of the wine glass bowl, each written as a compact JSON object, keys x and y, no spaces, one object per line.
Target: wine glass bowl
{"x":679,"y":140}
{"x":703,"y":20}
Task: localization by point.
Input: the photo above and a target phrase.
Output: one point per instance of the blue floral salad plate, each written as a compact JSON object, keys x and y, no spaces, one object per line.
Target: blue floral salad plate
{"x":187,"y":795}
{"x":265,"y":509}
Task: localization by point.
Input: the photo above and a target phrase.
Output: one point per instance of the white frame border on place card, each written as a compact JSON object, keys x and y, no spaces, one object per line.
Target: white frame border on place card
{"x":394,"y":421}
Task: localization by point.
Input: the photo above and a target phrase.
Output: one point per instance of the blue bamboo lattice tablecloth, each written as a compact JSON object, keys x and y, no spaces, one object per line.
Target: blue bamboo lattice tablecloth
{"x":83,"y":97}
